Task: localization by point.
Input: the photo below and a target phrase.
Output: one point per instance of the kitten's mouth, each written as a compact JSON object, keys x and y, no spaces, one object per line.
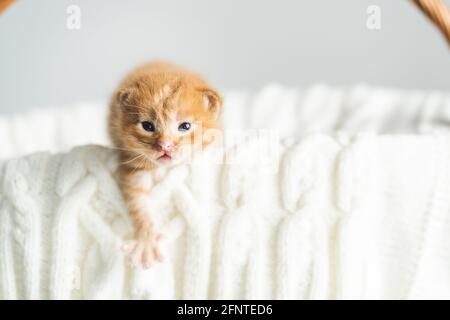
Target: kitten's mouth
{"x":165,"y":156}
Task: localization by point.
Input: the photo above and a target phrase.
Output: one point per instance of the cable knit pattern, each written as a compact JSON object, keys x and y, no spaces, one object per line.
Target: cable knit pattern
{"x":365,"y":219}
{"x":335,"y":210}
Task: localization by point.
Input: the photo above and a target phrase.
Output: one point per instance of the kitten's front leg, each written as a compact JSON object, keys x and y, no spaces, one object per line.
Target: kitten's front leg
{"x":144,"y":249}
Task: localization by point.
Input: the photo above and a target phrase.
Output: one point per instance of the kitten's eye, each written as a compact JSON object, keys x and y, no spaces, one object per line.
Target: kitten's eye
{"x":185,"y":126}
{"x":148,"y":126}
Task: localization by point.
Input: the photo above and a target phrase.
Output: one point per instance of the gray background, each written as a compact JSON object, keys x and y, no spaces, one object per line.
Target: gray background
{"x":236,"y":44}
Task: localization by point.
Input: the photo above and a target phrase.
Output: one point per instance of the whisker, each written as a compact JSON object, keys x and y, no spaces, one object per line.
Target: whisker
{"x":138,"y":150}
{"x":139,"y":165}
{"x":124,"y":149}
{"x":133,"y":159}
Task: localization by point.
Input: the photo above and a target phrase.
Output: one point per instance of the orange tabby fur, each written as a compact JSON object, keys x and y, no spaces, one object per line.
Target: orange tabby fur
{"x":166,"y":96}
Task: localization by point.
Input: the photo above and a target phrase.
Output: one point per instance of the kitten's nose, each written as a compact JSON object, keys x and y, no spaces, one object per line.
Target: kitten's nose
{"x":166,"y":146}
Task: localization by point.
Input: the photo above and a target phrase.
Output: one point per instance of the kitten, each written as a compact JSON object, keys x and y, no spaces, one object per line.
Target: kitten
{"x":155,"y":114}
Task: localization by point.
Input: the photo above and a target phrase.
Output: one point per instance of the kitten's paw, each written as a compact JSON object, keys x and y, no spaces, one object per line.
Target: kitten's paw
{"x":143,"y":252}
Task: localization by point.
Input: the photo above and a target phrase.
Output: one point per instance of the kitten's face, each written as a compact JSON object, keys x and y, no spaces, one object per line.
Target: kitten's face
{"x":165,"y":123}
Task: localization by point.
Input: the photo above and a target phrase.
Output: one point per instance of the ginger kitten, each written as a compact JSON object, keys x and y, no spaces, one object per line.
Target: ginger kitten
{"x":155,"y":114}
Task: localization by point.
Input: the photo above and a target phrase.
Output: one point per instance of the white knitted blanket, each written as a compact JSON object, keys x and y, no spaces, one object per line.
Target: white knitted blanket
{"x":334,"y":216}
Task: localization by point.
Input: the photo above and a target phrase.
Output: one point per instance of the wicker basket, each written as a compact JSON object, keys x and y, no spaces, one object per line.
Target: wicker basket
{"x":438,"y":12}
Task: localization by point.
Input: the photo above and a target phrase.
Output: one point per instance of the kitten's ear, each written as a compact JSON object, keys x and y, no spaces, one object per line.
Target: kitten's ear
{"x":124,"y":98}
{"x":212,"y":101}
